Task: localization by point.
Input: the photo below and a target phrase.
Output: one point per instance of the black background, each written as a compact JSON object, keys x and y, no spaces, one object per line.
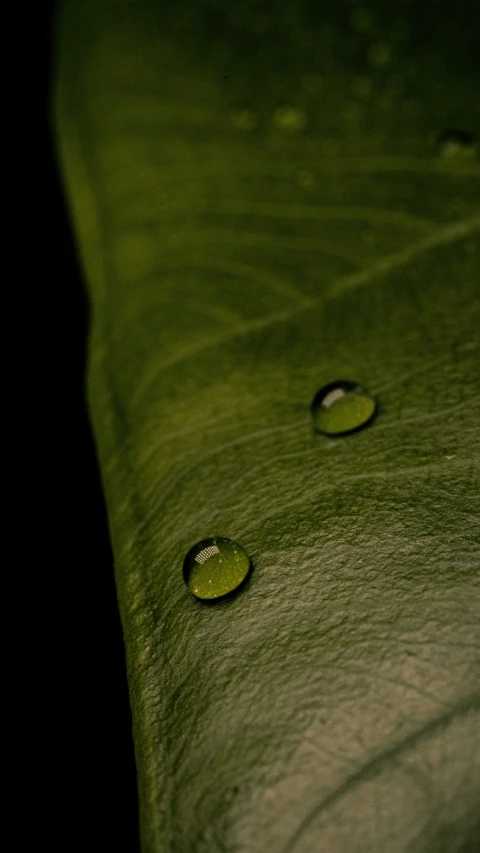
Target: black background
{"x":78,"y":715}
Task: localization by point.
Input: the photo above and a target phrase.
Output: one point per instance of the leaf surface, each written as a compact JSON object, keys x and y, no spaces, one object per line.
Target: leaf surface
{"x":262,"y":207}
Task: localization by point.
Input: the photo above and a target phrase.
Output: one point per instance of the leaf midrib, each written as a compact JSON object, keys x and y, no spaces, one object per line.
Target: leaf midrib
{"x":441,"y":237}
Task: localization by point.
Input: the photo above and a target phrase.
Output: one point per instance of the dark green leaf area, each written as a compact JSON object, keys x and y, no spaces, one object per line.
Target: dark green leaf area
{"x":264,"y":205}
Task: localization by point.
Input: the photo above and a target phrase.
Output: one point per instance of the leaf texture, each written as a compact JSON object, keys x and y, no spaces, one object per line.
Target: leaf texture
{"x":262,"y":207}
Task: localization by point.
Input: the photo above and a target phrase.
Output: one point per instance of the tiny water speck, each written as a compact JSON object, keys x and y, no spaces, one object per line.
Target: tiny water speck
{"x":214,"y":567}
{"x":342,"y":407}
{"x":457,"y":143}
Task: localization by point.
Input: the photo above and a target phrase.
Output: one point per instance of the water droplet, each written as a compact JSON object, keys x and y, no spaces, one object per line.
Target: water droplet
{"x":214,"y":567}
{"x":242,"y":117}
{"x":289,"y":118}
{"x":379,"y":54}
{"x":342,"y":407}
{"x":457,"y":143}
{"x":361,"y":20}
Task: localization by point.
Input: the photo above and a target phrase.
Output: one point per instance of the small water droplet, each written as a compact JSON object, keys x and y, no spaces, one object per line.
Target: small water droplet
{"x":242,"y":117}
{"x":379,"y":54}
{"x":214,"y":567}
{"x":342,"y":407}
{"x":289,"y":118}
{"x":457,"y":143}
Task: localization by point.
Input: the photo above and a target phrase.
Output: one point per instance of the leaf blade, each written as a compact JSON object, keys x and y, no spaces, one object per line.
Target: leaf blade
{"x":216,"y":431}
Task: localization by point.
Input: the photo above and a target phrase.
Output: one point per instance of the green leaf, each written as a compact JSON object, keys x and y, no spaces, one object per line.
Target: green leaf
{"x":262,"y":208}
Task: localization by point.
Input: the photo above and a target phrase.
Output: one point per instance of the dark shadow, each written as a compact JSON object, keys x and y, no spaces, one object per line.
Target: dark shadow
{"x":85,"y":740}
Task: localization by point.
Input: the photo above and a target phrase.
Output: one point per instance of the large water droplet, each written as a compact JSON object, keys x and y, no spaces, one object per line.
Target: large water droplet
{"x":457,"y":143}
{"x":342,"y":407}
{"x":214,"y":567}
